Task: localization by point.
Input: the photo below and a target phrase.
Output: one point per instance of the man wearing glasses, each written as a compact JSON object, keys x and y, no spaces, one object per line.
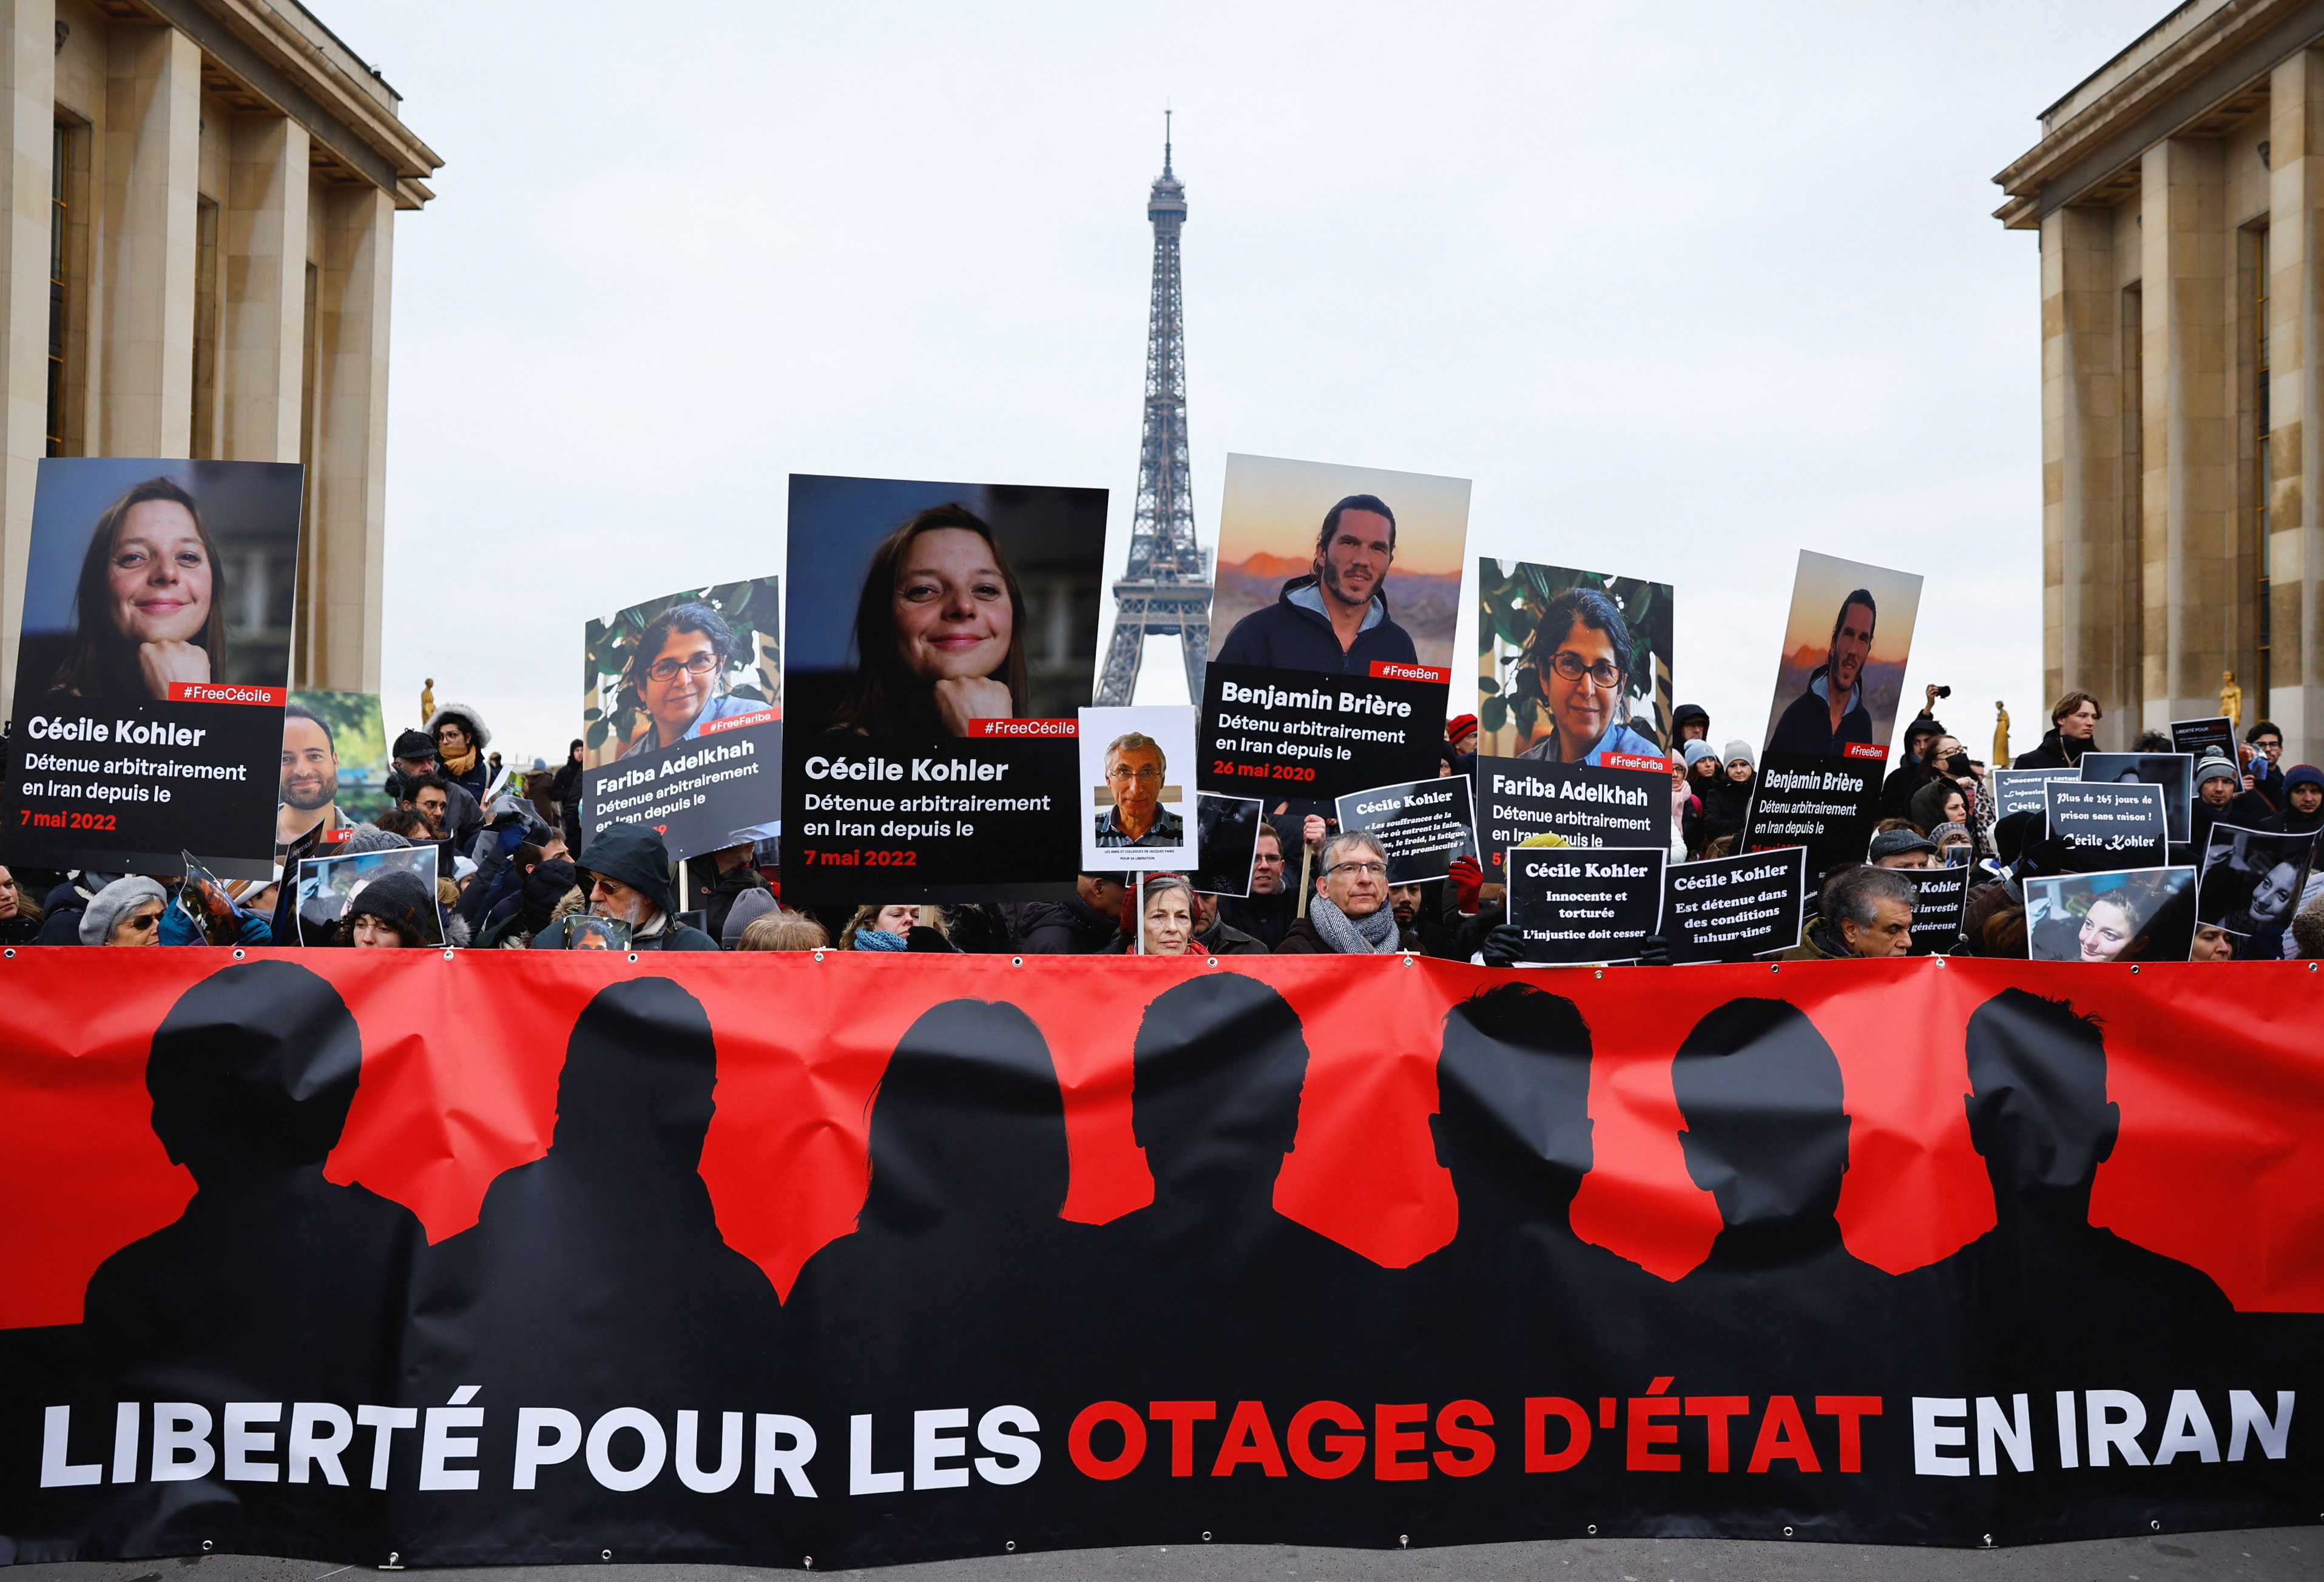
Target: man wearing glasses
{"x":679,"y":677}
{"x":1582,"y":656}
{"x":1134,"y":766}
{"x":1831,"y":714}
{"x":1349,"y":914}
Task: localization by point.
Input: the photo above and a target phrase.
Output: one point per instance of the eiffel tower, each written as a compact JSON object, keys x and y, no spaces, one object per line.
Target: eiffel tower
{"x":1165,"y":588}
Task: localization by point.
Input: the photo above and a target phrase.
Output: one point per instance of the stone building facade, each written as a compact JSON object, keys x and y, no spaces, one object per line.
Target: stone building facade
{"x":2179,"y":192}
{"x":197,"y":208}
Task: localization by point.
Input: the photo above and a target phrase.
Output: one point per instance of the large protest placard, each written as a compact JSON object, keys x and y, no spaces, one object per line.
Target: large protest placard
{"x":2173,"y":772}
{"x":1938,"y":896}
{"x":682,"y":718}
{"x":2139,"y":914}
{"x":1732,"y":909}
{"x":1425,"y":826}
{"x":1137,"y":773}
{"x":2250,"y":884}
{"x":1331,"y":629}
{"x":1837,"y":686}
{"x":152,"y":665}
{"x":942,"y":637}
{"x":329,"y":885}
{"x":543,"y":1255}
{"x":334,"y":773}
{"x":2019,"y":791}
{"x":1574,"y":689}
{"x":2106,"y":824}
{"x":1585,"y":903}
{"x":1227,"y":843}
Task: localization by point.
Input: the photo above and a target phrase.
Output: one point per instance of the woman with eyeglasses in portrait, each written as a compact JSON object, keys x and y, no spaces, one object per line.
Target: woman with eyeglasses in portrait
{"x":678,"y":676}
{"x":1581,"y":653}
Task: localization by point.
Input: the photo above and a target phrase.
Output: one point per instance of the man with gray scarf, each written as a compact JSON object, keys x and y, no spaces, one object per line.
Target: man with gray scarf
{"x":1349,"y":914}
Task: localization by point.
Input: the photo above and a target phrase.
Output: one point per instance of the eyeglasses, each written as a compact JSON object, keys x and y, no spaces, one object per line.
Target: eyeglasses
{"x":1123,"y":771}
{"x":699,"y":664}
{"x":141,"y":921}
{"x":1374,"y":869}
{"x":1569,"y":665}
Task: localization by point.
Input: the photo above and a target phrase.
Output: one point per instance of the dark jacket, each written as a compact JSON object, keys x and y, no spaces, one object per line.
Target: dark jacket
{"x":1065,"y":928}
{"x":1223,"y":940}
{"x":1294,"y":634}
{"x":22,"y":929}
{"x":60,"y":911}
{"x":1302,"y":940}
{"x":1985,"y":902}
{"x":712,"y":893}
{"x":1805,"y":727}
{"x":1265,"y":918}
{"x":2052,"y":754}
{"x":634,"y":855}
{"x":1816,"y":945}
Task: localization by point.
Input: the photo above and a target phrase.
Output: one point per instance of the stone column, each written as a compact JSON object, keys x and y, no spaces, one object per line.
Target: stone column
{"x":152,"y":132}
{"x":28,"y":97}
{"x":2295,"y":367}
{"x":2082,"y":559}
{"x":349,"y":493}
{"x":264,"y":289}
{"x":2190,"y":452}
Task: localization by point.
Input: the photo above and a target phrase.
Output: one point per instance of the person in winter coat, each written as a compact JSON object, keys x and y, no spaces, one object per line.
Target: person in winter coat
{"x":1083,"y":926}
{"x":1267,"y":913}
{"x":20,"y":919}
{"x":898,"y":928}
{"x":127,"y":912}
{"x":2220,"y":799}
{"x":1349,"y":915}
{"x":1912,"y":773}
{"x":2073,"y":725}
{"x":1690,"y":722}
{"x":1866,"y":913}
{"x":628,"y":873}
{"x":1335,"y":618}
{"x":461,"y":736}
{"x":1726,"y":800}
{"x":716,"y":882}
{"x":391,"y":912}
{"x":2303,"y":799}
{"x":1704,"y":773}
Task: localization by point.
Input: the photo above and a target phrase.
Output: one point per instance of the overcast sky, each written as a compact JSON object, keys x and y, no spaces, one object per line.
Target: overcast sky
{"x":1683,"y":288}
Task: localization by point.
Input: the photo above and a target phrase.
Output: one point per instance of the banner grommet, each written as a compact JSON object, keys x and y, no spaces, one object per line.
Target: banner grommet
{"x":819,"y":956}
{"x":237,"y":953}
{"x":634,"y":961}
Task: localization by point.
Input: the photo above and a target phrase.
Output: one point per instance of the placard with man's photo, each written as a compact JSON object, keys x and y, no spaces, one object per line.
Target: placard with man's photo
{"x":1138,"y":767}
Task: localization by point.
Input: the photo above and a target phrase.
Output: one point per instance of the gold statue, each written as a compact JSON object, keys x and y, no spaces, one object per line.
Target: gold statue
{"x":2231,"y":698}
{"x":426,"y":701}
{"x":2000,"y":735}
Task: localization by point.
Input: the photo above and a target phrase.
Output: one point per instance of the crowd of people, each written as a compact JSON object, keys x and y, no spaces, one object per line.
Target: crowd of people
{"x":507,"y":877}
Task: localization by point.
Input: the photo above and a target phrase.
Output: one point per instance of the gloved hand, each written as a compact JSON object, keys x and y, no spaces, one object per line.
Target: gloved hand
{"x":1504,"y":946}
{"x":1466,"y":878}
{"x":512,"y":835}
{"x":1654,"y":951}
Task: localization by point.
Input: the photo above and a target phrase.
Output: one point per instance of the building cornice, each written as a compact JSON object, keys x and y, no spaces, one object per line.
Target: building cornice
{"x":2196,"y":72}
{"x":280,"y":59}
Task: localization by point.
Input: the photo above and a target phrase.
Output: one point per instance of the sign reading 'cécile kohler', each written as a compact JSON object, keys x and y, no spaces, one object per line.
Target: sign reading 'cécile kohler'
{"x":1585,"y":903}
{"x":152,"y":666}
{"x":929,"y":742}
{"x":1838,"y":682}
{"x":1732,"y":909}
{"x":1940,"y":895}
{"x":1572,"y":706}
{"x":1423,"y":826}
{"x":682,"y":714}
{"x":1332,"y":630}
{"x":2108,"y":824}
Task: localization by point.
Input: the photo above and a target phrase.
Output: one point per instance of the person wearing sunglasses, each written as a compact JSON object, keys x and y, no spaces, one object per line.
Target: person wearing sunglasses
{"x":1349,"y":914}
{"x":127,"y":912}
{"x":1583,"y":660}
{"x":1134,"y":768}
{"x":679,"y":677}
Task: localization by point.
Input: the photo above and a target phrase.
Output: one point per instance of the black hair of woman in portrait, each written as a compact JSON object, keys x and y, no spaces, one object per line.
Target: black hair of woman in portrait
{"x":149,"y":609}
{"x":939,"y":631}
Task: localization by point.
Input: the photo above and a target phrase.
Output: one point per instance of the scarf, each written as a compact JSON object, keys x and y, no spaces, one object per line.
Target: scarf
{"x":1365,"y":936}
{"x":878,"y":940}
{"x":464,"y":764}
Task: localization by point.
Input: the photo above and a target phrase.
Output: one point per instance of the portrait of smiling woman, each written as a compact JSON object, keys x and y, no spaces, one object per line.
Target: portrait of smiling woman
{"x":939,"y":631}
{"x":148,"y":610}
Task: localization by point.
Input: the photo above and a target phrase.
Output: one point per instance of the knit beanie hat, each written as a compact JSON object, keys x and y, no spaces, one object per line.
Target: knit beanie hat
{"x":2214,"y":767}
{"x":401,"y":899}
{"x":414,"y":745}
{"x":2306,"y":774}
{"x":1696,"y":752}
{"x":370,"y":837}
{"x":749,"y":908}
{"x":1740,"y":748}
{"x":116,"y":901}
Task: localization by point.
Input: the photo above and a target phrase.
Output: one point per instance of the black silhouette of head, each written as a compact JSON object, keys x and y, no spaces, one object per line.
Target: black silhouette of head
{"x":968,"y":1121}
{"x":255,"y":1068}
{"x":1767,"y":1117}
{"x":1218,"y":1068}
{"x":635,"y":1095}
{"x":2037,"y":1104}
{"x":1513,"y":1097}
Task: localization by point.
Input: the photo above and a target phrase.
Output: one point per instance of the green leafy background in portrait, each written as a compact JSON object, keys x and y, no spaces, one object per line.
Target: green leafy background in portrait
{"x":1511,"y":713}
{"x":611,"y":716}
